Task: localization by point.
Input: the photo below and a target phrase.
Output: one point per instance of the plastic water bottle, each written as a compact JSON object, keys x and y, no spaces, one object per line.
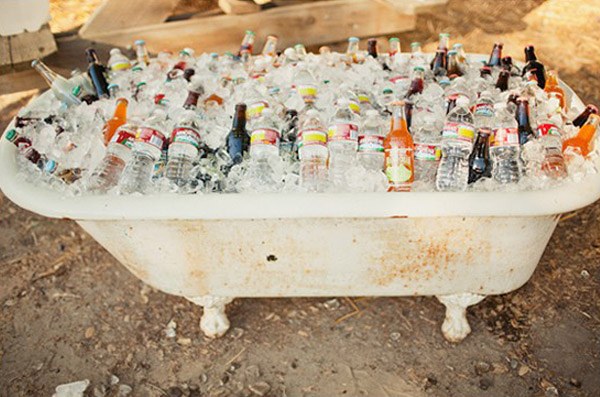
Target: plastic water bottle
{"x":183,"y":148}
{"x":306,"y":84}
{"x":313,"y":152}
{"x":504,"y":148}
{"x":550,"y":135}
{"x":147,"y":150}
{"x":265,"y":136}
{"x":118,"y":153}
{"x":457,"y":141}
{"x":483,"y":113}
{"x":118,"y":62}
{"x":370,"y":142}
{"x":427,"y":154}
{"x":342,"y":137}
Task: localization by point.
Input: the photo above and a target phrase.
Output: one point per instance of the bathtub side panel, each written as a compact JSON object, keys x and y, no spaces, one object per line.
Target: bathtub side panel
{"x":329,"y":257}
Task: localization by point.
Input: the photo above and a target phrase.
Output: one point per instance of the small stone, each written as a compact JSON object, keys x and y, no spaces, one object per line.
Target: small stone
{"x":303,"y":333}
{"x":514,"y":363}
{"x":38,"y":366}
{"x":125,"y":390}
{"x":9,"y":302}
{"x":99,"y":391}
{"x":485,"y":383}
{"x":332,"y":304}
{"x":184,"y":341}
{"x":72,"y":389}
{"x":114,"y":379}
{"x":203,"y":378}
{"x":585,"y":274}
{"x":89,"y":332}
{"x":551,"y":392}
{"x":430,"y":381}
{"x":236,"y":333}
{"x":523,"y":370}
{"x":170,"y":330}
{"x":260,"y":388}
{"x":482,"y":367}
{"x":395,"y":336}
{"x":575,"y":382}
{"x":174,"y":392}
{"x":234,"y":367}
{"x":252,"y":372}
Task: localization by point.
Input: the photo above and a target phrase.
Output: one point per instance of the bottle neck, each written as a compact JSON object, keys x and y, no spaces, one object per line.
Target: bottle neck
{"x":121,"y":109}
{"x":191,"y":100}
{"x":589,"y":129}
{"x":48,"y":74}
{"x":372,"y":48}
{"x":530,"y":54}
{"x":398,"y":117}
{"x":239,"y":119}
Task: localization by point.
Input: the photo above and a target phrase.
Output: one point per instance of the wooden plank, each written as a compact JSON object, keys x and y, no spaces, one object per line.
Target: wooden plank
{"x":413,"y":6}
{"x":114,"y":14}
{"x":24,"y":47}
{"x":310,"y":23}
{"x":238,"y":6}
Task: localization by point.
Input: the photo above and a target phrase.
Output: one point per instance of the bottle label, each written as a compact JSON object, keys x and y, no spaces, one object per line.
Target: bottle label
{"x":343,"y":132}
{"x":398,"y":165}
{"x":363,"y":98}
{"x":120,"y":65}
{"x":255,"y":109}
{"x":548,"y":129}
{"x":505,"y":137}
{"x":151,"y":136}
{"x":354,"y":107}
{"x":307,"y":92}
{"x":312,"y":138}
{"x":124,"y":137}
{"x":484,"y":109}
{"x":186,"y":135}
{"x":427,"y":152}
{"x":370,"y":143}
{"x":265,"y":136}
{"x":463,"y":132}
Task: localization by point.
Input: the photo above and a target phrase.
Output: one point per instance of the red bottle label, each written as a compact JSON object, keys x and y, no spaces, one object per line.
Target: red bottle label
{"x":548,"y":129}
{"x":505,"y":137}
{"x":186,"y":135}
{"x":427,"y":152}
{"x":151,"y":136}
{"x":343,"y":132}
{"x":124,"y":137}
{"x":370,"y":143}
{"x":264,"y":136}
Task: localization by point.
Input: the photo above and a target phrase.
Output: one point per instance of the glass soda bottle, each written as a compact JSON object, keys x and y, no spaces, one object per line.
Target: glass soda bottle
{"x":457,"y":141}
{"x":583,"y":141}
{"x":505,"y":149}
{"x":399,"y":152}
{"x":146,"y":151}
{"x":289,"y":135}
{"x":342,"y":141}
{"x":480,"y":165}
{"x":270,"y":47}
{"x":534,"y":66}
{"x":352,"y":53}
{"x":118,"y":153}
{"x":394,"y":46}
{"x":417,"y":83}
{"x":313,"y":152}
{"x":247,"y":43}
{"x":119,"y":118}
{"x":96,"y":73}
{"x":496,"y":55}
{"x":439,"y":63}
{"x":183,"y":148}
{"x":118,"y":62}
{"x":61,"y":87}
{"x":550,"y":136}
{"x":184,"y":61}
{"x":370,"y":141}
{"x":580,"y":120}
{"x":524,"y":126}
{"x":238,"y":140}
{"x":453,"y":65}
{"x":502,"y":82}
{"x":552,"y":86}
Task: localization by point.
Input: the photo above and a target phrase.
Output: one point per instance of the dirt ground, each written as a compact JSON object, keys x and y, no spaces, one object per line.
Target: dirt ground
{"x":70,"y":311}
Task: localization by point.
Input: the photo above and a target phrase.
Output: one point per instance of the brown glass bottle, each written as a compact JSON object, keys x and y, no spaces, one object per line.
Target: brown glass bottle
{"x":238,"y":140}
{"x":534,"y":66}
{"x":522,"y":116}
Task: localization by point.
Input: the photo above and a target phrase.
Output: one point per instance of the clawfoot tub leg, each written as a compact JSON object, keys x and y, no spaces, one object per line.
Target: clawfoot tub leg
{"x":214,"y":322}
{"x":456,"y":327}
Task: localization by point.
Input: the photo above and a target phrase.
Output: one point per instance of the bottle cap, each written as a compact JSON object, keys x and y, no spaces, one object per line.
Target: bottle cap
{"x":415,"y":44}
{"x":353,"y":39}
{"x":115,"y":51}
{"x":11,"y":134}
{"x":394,"y":39}
{"x":388,"y":91}
{"x":140,"y":42}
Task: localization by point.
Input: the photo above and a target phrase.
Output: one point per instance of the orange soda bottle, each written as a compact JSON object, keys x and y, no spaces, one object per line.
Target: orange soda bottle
{"x":552,"y":86}
{"x":583,"y":140}
{"x":399,"y":151}
{"x":118,"y":119}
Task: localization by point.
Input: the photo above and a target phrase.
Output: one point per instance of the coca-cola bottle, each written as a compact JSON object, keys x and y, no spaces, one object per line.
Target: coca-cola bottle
{"x":480,"y":165}
{"x":534,"y":66}
{"x":522,"y":116}
{"x":496,"y":55}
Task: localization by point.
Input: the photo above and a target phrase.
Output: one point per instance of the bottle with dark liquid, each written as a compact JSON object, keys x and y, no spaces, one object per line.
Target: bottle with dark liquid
{"x":238,"y":140}
{"x":480,"y":165}
{"x":496,"y":55}
{"x":287,"y":146}
{"x":502,"y":82}
{"x":96,"y":73}
{"x":534,"y":66}
{"x":522,"y":116}
{"x":439,"y":64}
{"x":583,"y":116}
{"x":453,"y":65}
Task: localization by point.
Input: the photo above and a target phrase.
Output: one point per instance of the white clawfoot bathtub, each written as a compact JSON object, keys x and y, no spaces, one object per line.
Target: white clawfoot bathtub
{"x":211,"y":249}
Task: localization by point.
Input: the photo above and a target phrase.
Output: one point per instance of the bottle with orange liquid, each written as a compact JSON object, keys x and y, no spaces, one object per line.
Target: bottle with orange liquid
{"x":118,"y":119}
{"x":552,"y":86}
{"x":583,"y":140}
{"x":399,"y":152}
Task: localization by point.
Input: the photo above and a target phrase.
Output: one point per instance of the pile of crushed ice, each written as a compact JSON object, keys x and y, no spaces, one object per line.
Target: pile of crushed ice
{"x":63,"y":137}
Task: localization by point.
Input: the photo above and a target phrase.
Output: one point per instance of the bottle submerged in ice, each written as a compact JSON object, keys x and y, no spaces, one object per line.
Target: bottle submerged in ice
{"x":313,"y":152}
{"x":342,"y":135}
